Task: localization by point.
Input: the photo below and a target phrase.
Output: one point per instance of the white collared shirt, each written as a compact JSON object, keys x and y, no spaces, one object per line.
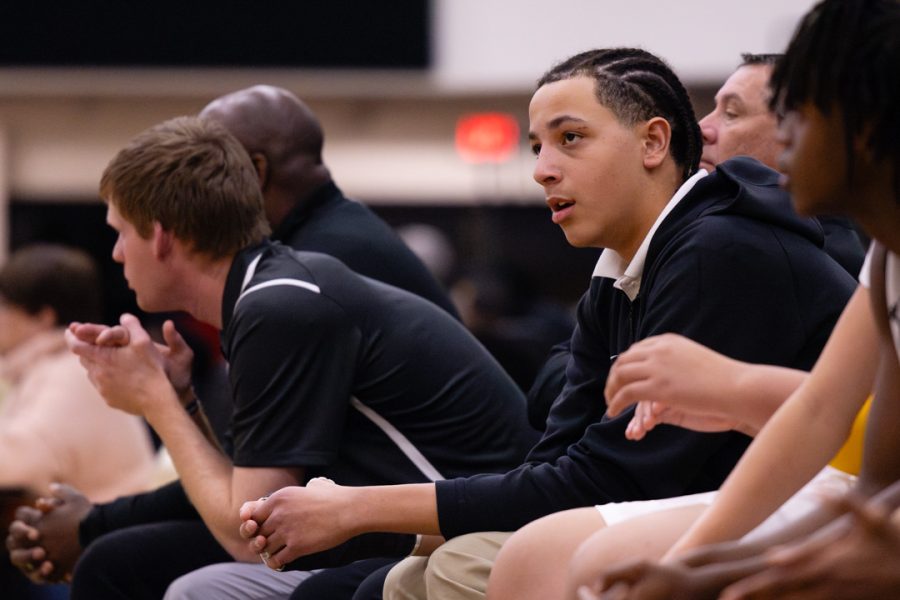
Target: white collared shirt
{"x":628,"y":276}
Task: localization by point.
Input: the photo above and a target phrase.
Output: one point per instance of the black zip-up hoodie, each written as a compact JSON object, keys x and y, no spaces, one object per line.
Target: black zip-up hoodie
{"x":732,"y":267}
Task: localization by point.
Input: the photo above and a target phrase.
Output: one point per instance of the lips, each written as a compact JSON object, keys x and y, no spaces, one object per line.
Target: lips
{"x":783,"y":163}
{"x":561,"y":207}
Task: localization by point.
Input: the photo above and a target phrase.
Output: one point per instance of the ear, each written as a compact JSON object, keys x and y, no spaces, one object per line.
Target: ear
{"x":46,"y":316}
{"x":163,"y":241}
{"x":657,"y":134}
{"x":261,"y":164}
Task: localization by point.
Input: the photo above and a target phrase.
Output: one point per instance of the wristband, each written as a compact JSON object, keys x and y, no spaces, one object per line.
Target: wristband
{"x":192,"y":407}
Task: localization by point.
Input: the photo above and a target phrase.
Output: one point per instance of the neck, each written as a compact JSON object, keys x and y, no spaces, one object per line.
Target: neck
{"x":884,"y":226}
{"x":204,"y":288}
{"x":290,"y":188}
{"x":279,"y":203}
{"x":876,"y":207}
{"x":656,"y":192}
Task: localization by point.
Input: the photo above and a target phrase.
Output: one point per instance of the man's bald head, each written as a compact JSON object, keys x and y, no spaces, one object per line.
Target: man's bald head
{"x":268,"y":119}
{"x":284,"y":139}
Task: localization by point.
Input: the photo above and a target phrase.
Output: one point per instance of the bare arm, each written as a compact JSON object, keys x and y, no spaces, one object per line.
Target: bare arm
{"x":781,"y":459}
{"x":132,"y":377}
{"x":677,"y":381}
{"x":215,"y":487}
{"x":25,"y":459}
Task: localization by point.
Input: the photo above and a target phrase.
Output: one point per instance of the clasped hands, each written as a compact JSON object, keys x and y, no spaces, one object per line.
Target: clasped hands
{"x":296,"y":521}
{"x":43,"y":540}
{"x":128,"y":369}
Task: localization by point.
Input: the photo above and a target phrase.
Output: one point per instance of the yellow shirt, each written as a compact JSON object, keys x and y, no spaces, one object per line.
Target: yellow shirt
{"x":849,"y":457}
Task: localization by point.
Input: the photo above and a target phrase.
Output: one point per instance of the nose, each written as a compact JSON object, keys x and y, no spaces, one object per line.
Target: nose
{"x":784,"y":130}
{"x":117,"y":252}
{"x":708,"y":130}
{"x":545,"y":169}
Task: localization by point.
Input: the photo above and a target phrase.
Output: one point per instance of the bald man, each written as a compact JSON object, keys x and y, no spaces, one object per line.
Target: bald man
{"x":305,"y":208}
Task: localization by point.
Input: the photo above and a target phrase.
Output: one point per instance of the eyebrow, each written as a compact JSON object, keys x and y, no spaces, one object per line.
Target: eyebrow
{"x":555,"y":122}
{"x":729,"y":97}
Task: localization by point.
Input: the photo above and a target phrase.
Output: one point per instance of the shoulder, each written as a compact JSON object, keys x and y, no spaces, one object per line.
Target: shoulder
{"x":284,"y":300}
{"x":58,"y":391}
{"x":715,"y":236}
{"x":58,"y":371}
{"x":346,"y":216}
{"x":722,"y":251}
{"x":288,"y":303}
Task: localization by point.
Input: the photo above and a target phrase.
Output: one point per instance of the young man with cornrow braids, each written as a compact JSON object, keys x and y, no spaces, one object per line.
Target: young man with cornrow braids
{"x":740,"y":124}
{"x":719,"y":258}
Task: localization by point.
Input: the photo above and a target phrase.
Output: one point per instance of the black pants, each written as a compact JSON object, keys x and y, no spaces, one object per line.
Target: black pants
{"x":362,"y":580}
{"x":140,"y":562}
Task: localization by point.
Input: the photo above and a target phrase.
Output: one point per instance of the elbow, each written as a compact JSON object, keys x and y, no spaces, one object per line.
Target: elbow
{"x":748,"y":429}
{"x":235,"y":544}
{"x":240,"y":550}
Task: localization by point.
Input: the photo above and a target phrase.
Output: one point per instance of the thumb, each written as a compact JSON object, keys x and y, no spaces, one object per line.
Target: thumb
{"x":133,"y":325}
{"x":246,"y":511}
{"x":113,"y":337}
{"x":64,"y":492}
{"x":173,"y":339}
{"x":258,"y":510}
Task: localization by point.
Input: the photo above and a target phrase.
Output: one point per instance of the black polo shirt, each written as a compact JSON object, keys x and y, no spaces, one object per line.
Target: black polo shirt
{"x":358,"y":380}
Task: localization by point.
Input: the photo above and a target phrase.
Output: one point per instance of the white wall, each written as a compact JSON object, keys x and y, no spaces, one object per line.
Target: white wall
{"x":507,"y":44}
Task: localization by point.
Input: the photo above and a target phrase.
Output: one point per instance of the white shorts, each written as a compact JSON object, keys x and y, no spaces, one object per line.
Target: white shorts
{"x":828,"y":481}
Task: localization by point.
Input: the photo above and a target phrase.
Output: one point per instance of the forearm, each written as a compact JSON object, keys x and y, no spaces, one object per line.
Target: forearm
{"x":162,"y":504}
{"x":205,"y":473}
{"x":24,"y":461}
{"x":709,"y":580}
{"x":409,"y":508}
{"x":759,"y":390}
{"x":194,"y":408}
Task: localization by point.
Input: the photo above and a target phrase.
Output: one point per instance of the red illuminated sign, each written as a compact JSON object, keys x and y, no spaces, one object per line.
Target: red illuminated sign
{"x":487,"y":137}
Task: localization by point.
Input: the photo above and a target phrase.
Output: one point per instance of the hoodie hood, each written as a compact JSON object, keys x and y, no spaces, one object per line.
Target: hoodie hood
{"x":746,"y":187}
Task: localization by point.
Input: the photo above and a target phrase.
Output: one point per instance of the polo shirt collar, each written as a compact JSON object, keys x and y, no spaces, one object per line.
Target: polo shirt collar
{"x":628,"y":275}
{"x":235,"y":282}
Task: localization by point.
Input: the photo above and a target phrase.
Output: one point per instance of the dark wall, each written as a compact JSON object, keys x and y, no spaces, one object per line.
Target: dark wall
{"x":240,"y":33}
{"x":75,"y":224}
{"x":521,"y":236}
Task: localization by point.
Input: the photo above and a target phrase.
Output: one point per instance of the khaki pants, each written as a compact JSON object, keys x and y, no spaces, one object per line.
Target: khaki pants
{"x":458,"y":570}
